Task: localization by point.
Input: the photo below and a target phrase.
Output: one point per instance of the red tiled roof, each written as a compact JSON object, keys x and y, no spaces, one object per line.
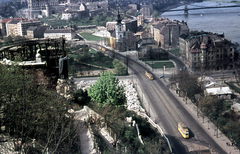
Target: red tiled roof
{"x":3,"y":20}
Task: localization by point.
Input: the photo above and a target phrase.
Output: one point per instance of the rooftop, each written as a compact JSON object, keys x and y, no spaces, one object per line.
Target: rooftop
{"x":58,"y":31}
{"x":218,"y":91}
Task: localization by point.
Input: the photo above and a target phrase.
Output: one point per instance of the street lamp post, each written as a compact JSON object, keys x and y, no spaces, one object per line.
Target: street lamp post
{"x":186,"y":97}
{"x":208,"y":124}
{"x":164,"y":66}
{"x":152,"y":65}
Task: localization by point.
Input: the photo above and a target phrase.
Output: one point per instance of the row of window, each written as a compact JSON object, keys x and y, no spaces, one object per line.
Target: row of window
{"x":212,"y":63}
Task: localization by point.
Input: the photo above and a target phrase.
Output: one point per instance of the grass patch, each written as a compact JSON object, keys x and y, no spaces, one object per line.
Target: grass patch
{"x":72,"y":56}
{"x":90,"y":37}
{"x":102,"y":61}
{"x":160,"y":64}
{"x":175,"y":51}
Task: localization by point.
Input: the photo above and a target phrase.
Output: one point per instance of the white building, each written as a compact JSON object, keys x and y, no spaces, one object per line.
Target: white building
{"x":224,"y":92}
{"x":68,"y":34}
{"x":66,"y":15}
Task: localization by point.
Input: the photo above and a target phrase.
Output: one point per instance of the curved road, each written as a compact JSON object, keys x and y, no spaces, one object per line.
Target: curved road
{"x":166,"y":109}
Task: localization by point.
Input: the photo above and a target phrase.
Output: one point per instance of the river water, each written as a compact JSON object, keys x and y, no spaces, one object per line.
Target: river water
{"x":220,"y":20}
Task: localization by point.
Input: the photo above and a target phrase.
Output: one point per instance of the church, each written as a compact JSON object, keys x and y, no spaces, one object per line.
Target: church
{"x":122,"y":40}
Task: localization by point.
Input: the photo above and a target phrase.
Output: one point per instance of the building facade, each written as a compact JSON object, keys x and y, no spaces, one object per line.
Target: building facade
{"x":128,"y":25}
{"x":77,"y":13}
{"x":68,"y":34}
{"x":36,"y":31}
{"x":11,"y":28}
{"x":23,"y":25}
{"x":3,"y":25}
{"x":206,"y":51}
{"x":166,"y":32}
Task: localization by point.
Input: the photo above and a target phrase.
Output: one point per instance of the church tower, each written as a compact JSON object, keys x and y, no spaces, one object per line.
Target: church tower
{"x":119,"y":29}
{"x":120,"y":35}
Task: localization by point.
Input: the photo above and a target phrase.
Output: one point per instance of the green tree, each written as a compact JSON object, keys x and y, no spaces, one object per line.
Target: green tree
{"x":96,"y":19}
{"x":19,"y":38}
{"x":29,"y":110}
{"x":155,"y":14}
{"x":107,"y":91}
{"x":147,"y":27}
{"x":81,"y":97}
{"x":8,"y":39}
{"x":85,"y":54}
{"x":118,"y":67}
{"x":188,"y":84}
{"x":136,"y":14}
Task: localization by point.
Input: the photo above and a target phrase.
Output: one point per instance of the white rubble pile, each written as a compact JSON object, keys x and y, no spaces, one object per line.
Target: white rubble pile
{"x":7,"y":145}
{"x":85,"y":84}
{"x":131,"y":95}
{"x":130,"y":92}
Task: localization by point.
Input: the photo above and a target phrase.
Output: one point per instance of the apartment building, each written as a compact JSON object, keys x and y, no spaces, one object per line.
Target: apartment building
{"x":206,"y":51}
{"x":166,"y":32}
{"x":23,"y":25}
{"x":11,"y":27}
{"x":3,"y":28}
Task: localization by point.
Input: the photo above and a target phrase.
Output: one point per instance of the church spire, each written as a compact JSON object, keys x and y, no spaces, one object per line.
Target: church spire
{"x":118,"y":18}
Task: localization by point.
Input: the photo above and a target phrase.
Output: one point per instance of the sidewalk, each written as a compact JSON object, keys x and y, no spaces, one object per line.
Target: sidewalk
{"x":209,"y":127}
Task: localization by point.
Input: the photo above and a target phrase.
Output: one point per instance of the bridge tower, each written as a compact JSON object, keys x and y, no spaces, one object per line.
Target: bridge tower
{"x":186,"y":9}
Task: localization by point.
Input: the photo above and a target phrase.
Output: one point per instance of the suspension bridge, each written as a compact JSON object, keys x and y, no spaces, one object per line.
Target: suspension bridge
{"x":186,"y":8}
